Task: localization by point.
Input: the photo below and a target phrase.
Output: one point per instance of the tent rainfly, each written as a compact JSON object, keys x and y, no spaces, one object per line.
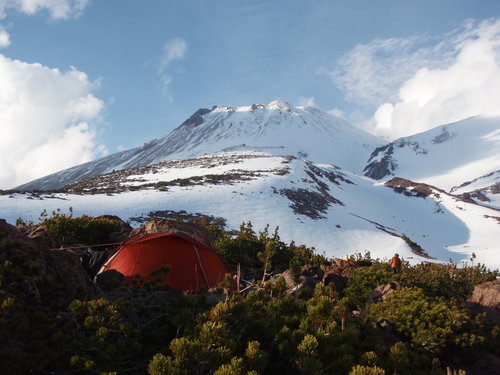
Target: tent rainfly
{"x":193,"y":265}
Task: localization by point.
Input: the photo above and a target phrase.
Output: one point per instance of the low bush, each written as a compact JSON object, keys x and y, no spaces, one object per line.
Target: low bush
{"x":65,"y":230}
{"x":265,"y":331}
{"x":364,"y":280}
{"x":428,"y":323}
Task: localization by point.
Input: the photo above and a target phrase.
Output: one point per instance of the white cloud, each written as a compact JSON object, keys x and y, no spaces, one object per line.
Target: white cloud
{"x":57,"y":9}
{"x":337,"y":112}
{"x":48,"y":120}
{"x":419,"y":83}
{"x":174,"y":49}
{"x":4,"y":38}
{"x":373,"y":72}
{"x":306,"y":102}
{"x":467,"y":87}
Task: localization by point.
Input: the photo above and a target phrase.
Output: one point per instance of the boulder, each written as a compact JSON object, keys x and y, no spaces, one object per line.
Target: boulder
{"x":486,"y":299}
{"x":339,"y":282}
{"x":49,"y":276}
{"x":289,"y":279}
{"x":340,"y":267}
{"x":382,"y":292}
{"x":387,"y":327}
{"x":384,"y":324}
{"x":313,"y":271}
{"x":109,"y":280}
{"x":39,"y":234}
{"x":123,"y":233}
{"x":163,"y":225}
{"x":307,"y":283}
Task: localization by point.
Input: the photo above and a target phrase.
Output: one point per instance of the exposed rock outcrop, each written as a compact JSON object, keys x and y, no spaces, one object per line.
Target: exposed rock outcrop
{"x":335,"y":274}
{"x":381,"y":163}
{"x":486,"y":299}
{"x":39,"y":234}
{"x":109,"y":280}
{"x":48,"y":276}
{"x":382,"y":292}
{"x":160,"y":225}
{"x":123,"y":233}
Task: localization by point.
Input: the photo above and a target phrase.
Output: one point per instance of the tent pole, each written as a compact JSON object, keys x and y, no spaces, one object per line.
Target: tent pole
{"x":201,"y":265}
{"x":196,"y":276}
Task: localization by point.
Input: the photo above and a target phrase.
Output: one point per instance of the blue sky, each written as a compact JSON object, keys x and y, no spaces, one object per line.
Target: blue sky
{"x":103,"y":75}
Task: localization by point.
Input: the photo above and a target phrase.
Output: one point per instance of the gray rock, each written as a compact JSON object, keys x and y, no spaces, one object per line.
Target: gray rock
{"x":307,"y":284}
{"x":382,"y":292}
{"x":486,"y":299}
{"x":109,"y":280}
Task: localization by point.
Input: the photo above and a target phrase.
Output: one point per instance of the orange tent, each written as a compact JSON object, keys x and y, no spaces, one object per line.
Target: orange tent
{"x":193,"y":265}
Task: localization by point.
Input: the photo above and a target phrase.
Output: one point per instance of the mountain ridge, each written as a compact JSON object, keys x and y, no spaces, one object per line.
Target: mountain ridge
{"x":445,"y":156}
{"x":276,"y":127}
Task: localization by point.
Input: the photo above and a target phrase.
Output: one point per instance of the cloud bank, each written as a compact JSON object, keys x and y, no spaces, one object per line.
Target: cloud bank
{"x":57,"y":9}
{"x":421,"y":82}
{"x":306,"y":101}
{"x":48,"y":120}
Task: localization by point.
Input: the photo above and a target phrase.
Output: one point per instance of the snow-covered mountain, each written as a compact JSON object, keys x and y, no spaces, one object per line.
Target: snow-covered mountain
{"x":320,"y":205}
{"x":446,"y":156}
{"x":433,"y":196}
{"x":277,"y":128}
{"x":484,"y":190}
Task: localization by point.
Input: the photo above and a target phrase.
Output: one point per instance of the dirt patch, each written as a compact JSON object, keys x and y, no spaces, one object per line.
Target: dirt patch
{"x":309,"y":203}
{"x":410,"y":188}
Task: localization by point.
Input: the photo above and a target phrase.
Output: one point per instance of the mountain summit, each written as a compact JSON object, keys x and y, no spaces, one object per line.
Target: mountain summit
{"x":277,"y":128}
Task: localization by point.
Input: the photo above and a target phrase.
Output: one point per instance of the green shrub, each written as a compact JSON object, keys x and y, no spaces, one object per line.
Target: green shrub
{"x":159,"y":365}
{"x":250,"y":249}
{"x":307,"y":353}
{"x":429,"y":323}
{"x":65,"y":230}
{"x":363,"y":281}
{"x":448,"y":280}
{"x":263,"y":332}
{"x":366,"y":370}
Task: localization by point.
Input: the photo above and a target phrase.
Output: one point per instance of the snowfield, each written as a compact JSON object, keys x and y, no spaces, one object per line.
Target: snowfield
{"x":336,"y":211}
